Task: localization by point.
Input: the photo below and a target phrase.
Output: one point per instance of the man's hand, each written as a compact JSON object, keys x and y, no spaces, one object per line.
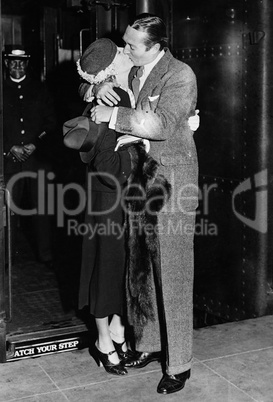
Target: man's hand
{"x":101,"y":114}
{"x":105,"y":93}
{"x":22,"y":152}
{"x":19,"y":152}
{"x":29,"y":148}
{"x":194,"y":121}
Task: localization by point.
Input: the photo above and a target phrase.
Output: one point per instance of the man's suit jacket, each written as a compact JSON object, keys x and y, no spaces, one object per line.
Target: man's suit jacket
{"x":166,"y":101}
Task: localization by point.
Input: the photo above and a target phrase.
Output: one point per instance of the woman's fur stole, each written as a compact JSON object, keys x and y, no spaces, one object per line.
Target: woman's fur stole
{"x":146,"y":193}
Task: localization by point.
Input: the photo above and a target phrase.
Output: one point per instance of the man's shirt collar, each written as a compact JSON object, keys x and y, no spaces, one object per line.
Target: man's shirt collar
{"x":148,"y":67}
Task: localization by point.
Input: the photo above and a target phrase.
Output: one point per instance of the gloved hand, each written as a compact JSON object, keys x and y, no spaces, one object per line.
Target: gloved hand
{"x":22,"y":152}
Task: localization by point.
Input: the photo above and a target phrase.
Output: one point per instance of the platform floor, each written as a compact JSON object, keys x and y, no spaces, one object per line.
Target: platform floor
{"x":43,"y":298}
{"x":233,"y":362}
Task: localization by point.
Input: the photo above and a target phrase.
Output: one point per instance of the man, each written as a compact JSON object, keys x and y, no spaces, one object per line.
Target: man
{"x":166,"y":99}
{"x":28,"y":117}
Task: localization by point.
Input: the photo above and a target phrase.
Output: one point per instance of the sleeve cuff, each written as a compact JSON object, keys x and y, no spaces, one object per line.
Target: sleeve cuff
{"x":113,"y":120}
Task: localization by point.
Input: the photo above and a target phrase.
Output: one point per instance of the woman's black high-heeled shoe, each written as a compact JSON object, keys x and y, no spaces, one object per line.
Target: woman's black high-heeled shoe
{"x":103,"y":358}
{"x":127,"y":356}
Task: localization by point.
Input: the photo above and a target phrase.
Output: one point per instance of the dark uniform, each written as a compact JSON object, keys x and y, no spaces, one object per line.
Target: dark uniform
{"x":29,"y":116}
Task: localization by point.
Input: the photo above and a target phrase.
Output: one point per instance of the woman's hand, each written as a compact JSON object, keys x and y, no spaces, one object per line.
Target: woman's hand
{"x":105,"y":93}
{"x":194,"y":121}
{"x":88,"y":96}
{"x":101,"y":114}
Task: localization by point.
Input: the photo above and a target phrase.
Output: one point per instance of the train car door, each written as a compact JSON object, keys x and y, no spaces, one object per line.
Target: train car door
{"x":37,"y":304}
{"x":2,"y":214}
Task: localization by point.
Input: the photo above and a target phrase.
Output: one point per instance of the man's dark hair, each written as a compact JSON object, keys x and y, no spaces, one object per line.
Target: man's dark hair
{"x":154,"y":27}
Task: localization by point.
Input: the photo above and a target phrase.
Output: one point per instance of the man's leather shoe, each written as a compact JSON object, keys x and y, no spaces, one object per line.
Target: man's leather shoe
{"x":173,"y":382}
{"x":143,"y":359}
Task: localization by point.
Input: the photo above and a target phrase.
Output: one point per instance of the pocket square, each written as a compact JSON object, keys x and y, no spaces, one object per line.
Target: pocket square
{"x":152,"y":98}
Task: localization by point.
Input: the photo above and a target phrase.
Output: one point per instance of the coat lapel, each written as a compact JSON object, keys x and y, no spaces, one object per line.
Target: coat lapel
{"x":155,"y":75}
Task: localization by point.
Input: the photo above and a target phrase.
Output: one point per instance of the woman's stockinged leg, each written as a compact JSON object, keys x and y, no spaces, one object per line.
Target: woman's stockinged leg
{"x":105,"y":343}
{"x":117,"y":331}
{"x":104,"y":351}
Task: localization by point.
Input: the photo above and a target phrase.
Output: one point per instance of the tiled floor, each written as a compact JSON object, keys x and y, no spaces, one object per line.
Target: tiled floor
{"x":232,"y":363}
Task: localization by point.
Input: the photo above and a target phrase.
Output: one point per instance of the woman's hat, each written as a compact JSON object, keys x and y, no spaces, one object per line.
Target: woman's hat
{"x":98,"y":56}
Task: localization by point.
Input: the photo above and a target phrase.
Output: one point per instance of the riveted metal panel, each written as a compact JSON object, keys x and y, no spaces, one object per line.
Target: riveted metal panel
{"x":219,"y":280}
{"x":228,"y":46}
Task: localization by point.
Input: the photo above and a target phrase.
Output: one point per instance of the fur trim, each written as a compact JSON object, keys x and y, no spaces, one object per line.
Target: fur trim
{"x":147,"y":192}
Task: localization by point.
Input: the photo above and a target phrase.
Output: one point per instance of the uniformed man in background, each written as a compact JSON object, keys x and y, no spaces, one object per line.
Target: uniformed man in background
{"x":28,"y":118}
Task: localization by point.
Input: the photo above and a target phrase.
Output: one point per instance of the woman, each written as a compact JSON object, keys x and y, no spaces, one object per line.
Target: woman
{"x":103,"y":259}
{"x":103,"y":254}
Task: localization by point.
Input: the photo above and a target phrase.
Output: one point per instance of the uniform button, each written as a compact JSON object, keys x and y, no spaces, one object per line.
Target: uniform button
{"x":19,"y":86}
{"x":22,"y":131}
{"x":21,"y":97}
{"x":21,"y":119}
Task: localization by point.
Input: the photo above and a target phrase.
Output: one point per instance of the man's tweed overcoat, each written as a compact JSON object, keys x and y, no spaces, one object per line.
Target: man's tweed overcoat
{"x":166,"y":101}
